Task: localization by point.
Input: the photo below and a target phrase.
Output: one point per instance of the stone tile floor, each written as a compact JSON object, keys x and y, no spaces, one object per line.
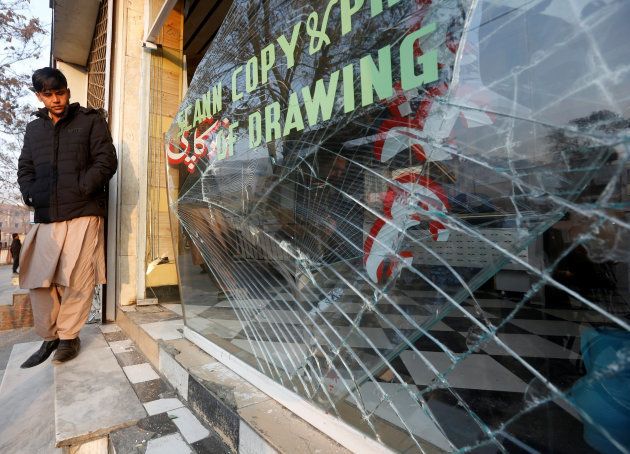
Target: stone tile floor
{"x":170,"y":427}
{"x":8,"y":285}
{"x":11,"y":337}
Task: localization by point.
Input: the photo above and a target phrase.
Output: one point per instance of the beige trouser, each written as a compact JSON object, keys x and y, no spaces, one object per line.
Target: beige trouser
{"x":60,"y":312}
{"x":70,"y":255}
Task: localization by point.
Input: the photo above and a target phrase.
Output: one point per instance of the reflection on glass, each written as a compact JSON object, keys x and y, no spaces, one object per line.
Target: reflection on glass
{"x":440,"y":265}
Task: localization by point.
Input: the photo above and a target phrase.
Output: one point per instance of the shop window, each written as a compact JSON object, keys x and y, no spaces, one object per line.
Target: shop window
{"x":414,"y":214}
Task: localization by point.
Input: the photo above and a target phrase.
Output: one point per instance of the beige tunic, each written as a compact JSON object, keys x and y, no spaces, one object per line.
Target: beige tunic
{"x":68,"y":253}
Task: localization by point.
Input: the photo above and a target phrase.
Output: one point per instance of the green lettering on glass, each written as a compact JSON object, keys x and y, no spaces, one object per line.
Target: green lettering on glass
{"x":255,"y":129}
{"x":181,"y":122}
{"x":188,"y":112}
{"x":289,"y":47}
{"x":251,"y":74}
{"x":272,"y":122}
{"x":198,"y":117}
{"x":347,"y":11}
{"x":376,"y":6}
{"x":322,"y":100}
{"x":221,"y":146}
{"x":267,"y":59}
{"x":205,"y":103}
{"x":376,"y":78}
{"x":217,"y":98}
{"x":348,"y":88}
{"x":231,"y":138}
{"x":293,"y":119}
{"x":408,"y":61}
{"x":317,"y":31}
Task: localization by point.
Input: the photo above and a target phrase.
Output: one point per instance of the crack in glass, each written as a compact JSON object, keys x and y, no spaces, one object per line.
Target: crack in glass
{"x":442,"y":265}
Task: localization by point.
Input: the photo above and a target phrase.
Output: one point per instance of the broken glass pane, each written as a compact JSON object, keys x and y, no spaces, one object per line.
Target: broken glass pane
{"x":414,"y":214}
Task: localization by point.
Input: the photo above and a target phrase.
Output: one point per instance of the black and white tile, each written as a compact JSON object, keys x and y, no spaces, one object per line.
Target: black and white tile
{"x":170,"y":426}
{"x":493,"y":377}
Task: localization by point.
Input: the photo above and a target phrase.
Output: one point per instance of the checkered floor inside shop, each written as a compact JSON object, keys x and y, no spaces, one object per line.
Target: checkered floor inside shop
{"x":492,"y":382}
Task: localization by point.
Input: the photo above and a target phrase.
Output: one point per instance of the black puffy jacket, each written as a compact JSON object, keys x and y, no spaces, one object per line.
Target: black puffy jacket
{"x":64,"y":167}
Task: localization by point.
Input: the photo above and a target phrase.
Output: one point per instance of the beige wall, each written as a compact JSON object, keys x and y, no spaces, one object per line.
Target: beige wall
{"x":129,"y":122}
{"x":77,"y":81}
{"x":127,"y":129}
{"x":167,"y":69}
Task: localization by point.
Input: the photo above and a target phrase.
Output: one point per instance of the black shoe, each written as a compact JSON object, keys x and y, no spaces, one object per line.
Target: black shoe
{"x":40,"y":355}
{"x":68,"y":349}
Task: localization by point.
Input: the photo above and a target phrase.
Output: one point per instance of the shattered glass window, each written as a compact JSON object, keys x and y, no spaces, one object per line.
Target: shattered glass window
{"x":414,"y":214}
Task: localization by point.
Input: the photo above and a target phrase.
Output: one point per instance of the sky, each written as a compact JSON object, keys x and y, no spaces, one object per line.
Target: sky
{"x":40,"y":9}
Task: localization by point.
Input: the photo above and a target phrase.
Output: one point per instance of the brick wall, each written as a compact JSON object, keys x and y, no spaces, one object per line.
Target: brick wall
{"x":18,"y":315}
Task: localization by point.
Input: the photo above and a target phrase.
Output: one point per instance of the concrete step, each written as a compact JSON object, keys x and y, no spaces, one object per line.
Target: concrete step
{"x":245,"y":419}
{"x":171,"y":427}
{"x":92,"y":396}
{"x":27,"y":405}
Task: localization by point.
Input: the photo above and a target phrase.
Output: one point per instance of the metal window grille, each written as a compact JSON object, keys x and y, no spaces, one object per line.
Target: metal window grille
{"x":96,"y":61}
{"x":96,"y":99}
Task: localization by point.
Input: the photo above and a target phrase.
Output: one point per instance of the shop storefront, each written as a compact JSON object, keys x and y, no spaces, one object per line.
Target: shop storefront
{"x":412,"y":216}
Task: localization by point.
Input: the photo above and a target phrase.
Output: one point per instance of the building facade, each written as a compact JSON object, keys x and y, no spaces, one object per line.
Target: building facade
{"x":13,"y":219}
{"x":406,"y":221}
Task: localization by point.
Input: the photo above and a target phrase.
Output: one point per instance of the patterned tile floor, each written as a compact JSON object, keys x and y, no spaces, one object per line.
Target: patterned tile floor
{"x":170,"y":426}
{"x":493,"y":383}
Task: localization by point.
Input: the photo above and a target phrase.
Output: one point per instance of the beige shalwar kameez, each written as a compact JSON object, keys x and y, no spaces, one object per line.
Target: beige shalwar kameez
{"x":61,"y":263}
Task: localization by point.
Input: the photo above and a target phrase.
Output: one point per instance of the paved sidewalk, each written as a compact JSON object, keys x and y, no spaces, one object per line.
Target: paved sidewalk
{"x":8,"y":285}
{"x":11,"y":337}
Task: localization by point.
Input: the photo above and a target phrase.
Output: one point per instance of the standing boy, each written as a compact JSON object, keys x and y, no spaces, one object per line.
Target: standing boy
{"x":63,"y":170}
